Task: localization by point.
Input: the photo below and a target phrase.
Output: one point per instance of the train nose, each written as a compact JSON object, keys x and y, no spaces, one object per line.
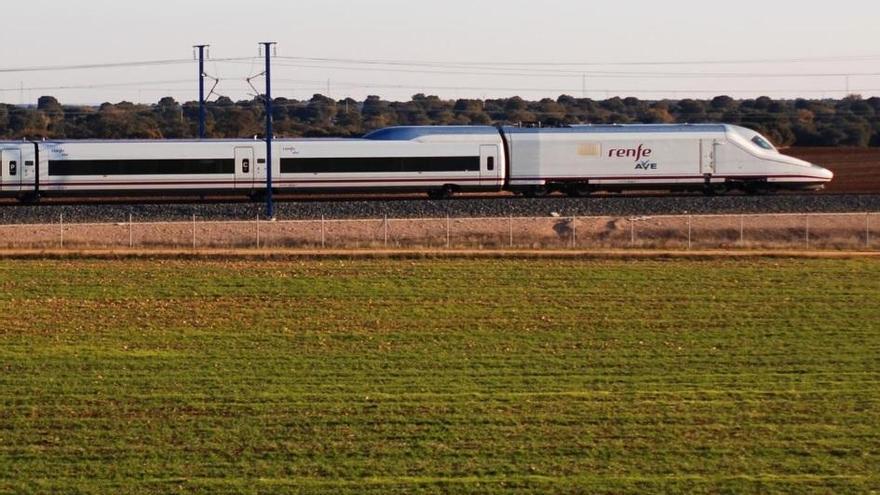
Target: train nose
{"x":824,"y":173}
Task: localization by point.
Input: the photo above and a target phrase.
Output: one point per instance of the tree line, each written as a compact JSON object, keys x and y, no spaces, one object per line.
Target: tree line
{"x":852,"y":121}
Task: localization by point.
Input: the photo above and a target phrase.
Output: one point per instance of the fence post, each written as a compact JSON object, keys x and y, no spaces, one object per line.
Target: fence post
{"x":130,"y":232}
{"x":632,"y":231}
{"x":61,"y":224}
{"x":574,"y":233}
{"x":194,"y":230}
{"x":867,"y":231}
{"x":510,"y":231}
{"x":323,"y":234}
{"x":258,"y":231}
{"x":742,"y":230}
{"x":807,"y":230}
{"x":448,"y":222}
{"x":385,"y":228}
{"x":690,"y":231}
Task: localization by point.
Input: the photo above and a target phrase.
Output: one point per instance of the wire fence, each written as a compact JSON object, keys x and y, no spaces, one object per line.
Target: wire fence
{"x":848,"y":231}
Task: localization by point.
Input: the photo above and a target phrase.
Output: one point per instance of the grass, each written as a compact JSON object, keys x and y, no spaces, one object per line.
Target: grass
{"x":440,"y":376}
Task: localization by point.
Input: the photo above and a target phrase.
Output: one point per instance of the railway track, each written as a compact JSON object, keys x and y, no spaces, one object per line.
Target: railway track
{"x":384,"y":198}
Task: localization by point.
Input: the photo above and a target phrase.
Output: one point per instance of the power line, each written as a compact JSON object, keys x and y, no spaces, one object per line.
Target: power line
{"x":594,"y":74}
{"x":113,"y":65}
{"x":501,"y":67}
{"x":507,"y":68}
{"x":134,"y":85}
{"x":521,"y":69}
{"x":49,"y":68}
{"x":842,"y":58}
{"x":315,"y":84}
{"x":423,"y":63}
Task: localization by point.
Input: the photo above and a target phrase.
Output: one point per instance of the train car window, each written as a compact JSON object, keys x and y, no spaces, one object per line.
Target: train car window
{"x":246,"y":166}
{"x":491,"y":164}
{"x":763,"y":143}
{"x":380,"y":165}
{"x":141,"y":167}
{"x":13,"y":168}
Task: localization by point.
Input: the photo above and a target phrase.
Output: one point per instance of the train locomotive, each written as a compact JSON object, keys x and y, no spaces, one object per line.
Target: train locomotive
{"x":438,"y":160}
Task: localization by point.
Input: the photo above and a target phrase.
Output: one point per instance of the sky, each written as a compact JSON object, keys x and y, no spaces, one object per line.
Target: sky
{"x":450,"y":48}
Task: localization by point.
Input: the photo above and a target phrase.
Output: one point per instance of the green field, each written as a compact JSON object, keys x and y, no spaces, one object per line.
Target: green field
{"x":440,"y":376}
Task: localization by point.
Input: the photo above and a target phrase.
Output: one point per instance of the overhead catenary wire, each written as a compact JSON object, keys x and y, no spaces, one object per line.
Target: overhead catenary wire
{"x":592,"y":74}
{"x":519,"y":69}
{"x":110,"y":65}
{"x":580,"y":72}
{"x":411,"y":63}
{"x":844,"y":58}
{"x":132,"y":84}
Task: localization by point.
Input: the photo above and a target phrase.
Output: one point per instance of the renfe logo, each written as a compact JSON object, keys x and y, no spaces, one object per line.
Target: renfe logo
{"x":636,"y":153}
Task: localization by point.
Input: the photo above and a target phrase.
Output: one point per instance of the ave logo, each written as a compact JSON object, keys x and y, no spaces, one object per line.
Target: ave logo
{"x":642,"y":156}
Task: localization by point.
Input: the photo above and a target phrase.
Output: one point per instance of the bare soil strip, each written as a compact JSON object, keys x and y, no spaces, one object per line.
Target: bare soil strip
{"x":422,"y":253}
{"x":856,"y":170}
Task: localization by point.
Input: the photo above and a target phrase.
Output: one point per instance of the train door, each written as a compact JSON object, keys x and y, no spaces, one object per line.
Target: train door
{"x":708,"y":157}
{"x":489,"y":165}
{"x":244,"y":168}
{"x":10,"y":178}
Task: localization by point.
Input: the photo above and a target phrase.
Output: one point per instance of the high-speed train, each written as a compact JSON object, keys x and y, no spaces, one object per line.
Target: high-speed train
{"x":438,"y":160}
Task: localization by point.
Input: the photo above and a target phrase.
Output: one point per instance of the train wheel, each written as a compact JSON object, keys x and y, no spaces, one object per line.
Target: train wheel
{"x":445,"y":192}
{"x":757,"y":188}
{"x":537,"y":192}
{"x":719,"y":190}
{"x":578,"y":190}
{"x":29,"y":198}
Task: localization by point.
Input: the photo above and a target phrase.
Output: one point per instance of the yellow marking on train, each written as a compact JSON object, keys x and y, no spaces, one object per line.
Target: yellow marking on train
{"x":590,"y":149}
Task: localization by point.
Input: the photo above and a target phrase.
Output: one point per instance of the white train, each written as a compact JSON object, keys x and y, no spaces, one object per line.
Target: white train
{"x":438,"y":160}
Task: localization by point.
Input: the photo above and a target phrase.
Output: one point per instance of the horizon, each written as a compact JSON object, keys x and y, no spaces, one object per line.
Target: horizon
{"x":361,"y":101}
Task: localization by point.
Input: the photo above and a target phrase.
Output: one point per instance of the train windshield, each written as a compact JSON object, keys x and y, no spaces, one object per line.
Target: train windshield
{"x":754,"y":138}
{"x":763,"y":143}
